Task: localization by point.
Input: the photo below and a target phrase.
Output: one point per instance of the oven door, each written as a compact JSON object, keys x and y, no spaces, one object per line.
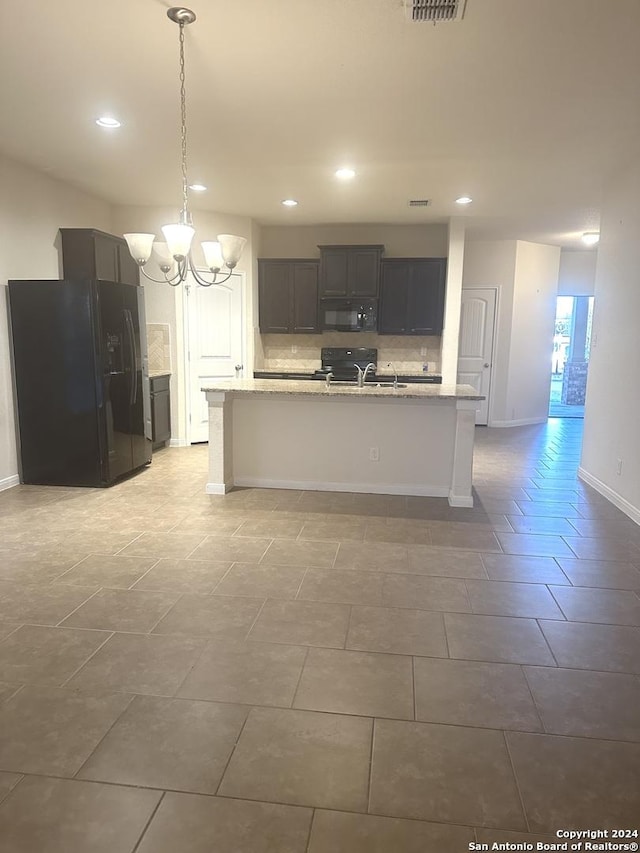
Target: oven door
{"x":347,"y":315}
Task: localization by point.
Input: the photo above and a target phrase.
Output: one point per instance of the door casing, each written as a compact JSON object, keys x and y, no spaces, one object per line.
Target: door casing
{"x":195,"y":430}
{"x":476,"y":367}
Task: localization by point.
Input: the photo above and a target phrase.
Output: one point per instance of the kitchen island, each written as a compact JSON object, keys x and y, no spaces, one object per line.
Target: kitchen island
{"x":413,"y":440}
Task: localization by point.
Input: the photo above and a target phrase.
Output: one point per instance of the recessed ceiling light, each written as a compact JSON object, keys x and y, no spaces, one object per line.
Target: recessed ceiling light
{"x":464,"y":199}
{"x":345,"y":174}
{"x":590,"y":238}
{"x":197,"y":188}
{"x":107,"y":121}
{"x":289,"y":202}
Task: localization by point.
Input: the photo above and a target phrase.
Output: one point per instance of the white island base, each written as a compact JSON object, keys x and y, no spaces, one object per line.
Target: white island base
{"x":266,"y":434}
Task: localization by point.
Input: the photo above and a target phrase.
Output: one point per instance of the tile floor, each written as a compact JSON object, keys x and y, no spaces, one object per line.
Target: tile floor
{"x":281,"y":672}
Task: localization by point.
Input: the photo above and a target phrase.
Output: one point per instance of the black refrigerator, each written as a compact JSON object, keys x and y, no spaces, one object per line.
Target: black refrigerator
{"x":80,"y":380}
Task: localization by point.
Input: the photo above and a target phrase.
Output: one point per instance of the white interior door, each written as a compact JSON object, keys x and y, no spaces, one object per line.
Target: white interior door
{"x":475,"y":347}
{"x":213,"y":345}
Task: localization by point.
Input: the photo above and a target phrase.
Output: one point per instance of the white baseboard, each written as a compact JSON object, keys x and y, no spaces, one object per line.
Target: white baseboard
{"x":9,"y":482}
{"x":517,"y":423}
{"x":217,"y":489}
{"x":460,"y":500}
{"x":362,"y":488}
{"x":617,"y":500}
{"x":178,"y":442}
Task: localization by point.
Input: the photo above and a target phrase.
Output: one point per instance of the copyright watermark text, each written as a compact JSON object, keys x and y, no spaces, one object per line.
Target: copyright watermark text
{"x":580,"y":840}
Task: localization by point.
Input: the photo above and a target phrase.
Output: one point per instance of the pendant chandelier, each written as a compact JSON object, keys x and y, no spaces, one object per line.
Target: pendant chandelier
{"x":174,"y":255}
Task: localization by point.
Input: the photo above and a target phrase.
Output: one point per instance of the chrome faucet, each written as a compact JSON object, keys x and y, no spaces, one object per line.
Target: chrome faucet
{"x":328,"y":379}
{"x":362,"y":374}
{"x":395,"y":374}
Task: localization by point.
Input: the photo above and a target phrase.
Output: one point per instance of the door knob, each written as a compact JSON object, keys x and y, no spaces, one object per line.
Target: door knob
{"x":239,"y":367}
{"x":486,"y":364}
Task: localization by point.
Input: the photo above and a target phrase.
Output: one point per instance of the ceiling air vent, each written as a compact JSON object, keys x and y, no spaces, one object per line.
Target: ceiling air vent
{"x":419,"y":202}
{"x":434,"y":10}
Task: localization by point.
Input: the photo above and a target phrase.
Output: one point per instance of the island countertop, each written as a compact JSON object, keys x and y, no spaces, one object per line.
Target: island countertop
{"x":318,"y":388}
{"x":384,"y":374}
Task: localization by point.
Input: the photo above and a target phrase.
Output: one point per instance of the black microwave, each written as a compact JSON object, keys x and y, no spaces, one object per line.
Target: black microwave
{"x":349,"y":315}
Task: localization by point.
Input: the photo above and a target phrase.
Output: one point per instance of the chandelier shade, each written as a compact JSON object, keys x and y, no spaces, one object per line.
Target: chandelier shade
{"x":231,"y":247}
{"x":213,"y":255}
{"x":163,"y":256}
{"x":178,"y":239}
{"x":140,"y":246}
{"x":174,"y":256}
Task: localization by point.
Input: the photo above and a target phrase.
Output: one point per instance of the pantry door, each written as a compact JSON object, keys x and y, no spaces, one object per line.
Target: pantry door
{"x":214,"y":345}
{"x":475,"y":345}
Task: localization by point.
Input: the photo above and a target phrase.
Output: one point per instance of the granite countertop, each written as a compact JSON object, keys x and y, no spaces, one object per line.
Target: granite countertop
{"x":153,"y":374}
{"x":308,"y":370}
{"x":315,"y":388}
{"x":384,"y":374}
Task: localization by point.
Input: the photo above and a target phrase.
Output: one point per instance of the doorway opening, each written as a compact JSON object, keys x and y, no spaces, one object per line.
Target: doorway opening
{"x":570,"y":356}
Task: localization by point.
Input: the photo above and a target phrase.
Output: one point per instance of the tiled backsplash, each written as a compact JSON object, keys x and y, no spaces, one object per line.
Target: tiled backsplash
{"x":159,"y":347}
{"x":302,"y":352}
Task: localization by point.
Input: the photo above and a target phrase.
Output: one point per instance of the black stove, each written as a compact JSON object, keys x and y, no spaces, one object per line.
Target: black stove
{"x":341,"y":362}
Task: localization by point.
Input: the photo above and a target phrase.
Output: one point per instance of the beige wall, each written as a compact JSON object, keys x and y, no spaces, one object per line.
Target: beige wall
{"x":493,"y":264}
{"x":577,"y":275}
{"x":526,"y":278}
{"x":453,"y":302}
{"x":400,"y":241}
{"x":33,"y":206}
{"x":533,"y":319}
{"x":612,"y":411}
{"x":309,"y":443}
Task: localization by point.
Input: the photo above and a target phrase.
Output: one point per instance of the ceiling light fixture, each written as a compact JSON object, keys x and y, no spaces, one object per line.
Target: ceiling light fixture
{"x":107,"y":121}
{"x":464,"y":199}
{"x":174,"y":256}
{"x":345,"y":174}
{"x":290,"y":202}
{"x":590,"y":238}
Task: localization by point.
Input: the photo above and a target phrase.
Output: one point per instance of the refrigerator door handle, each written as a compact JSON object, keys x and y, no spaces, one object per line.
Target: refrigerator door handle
{"x":132,"y":349}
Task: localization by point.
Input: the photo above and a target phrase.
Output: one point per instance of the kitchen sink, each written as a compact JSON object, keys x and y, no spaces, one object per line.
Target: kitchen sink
{"x":388,"y":385}
{"x":352,"y":383}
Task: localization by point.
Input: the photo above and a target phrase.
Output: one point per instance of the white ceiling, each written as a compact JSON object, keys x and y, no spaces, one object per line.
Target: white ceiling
{"x":528,"y":106}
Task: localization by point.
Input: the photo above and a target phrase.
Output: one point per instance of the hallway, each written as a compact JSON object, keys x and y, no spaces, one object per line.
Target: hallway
{"x":309,"y":672}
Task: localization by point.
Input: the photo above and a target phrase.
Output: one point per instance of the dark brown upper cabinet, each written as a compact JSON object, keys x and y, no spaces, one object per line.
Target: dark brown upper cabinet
{"x":412,"y":296}
{"x":350,"y":270}
{"x":88,"y":253}
{"x":288,"y":291}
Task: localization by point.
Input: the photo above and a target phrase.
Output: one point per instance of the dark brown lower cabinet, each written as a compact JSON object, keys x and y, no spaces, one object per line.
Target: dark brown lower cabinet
{"x":160,"y":410}
{"x":412,"y":296}
{"x":288,"y":296}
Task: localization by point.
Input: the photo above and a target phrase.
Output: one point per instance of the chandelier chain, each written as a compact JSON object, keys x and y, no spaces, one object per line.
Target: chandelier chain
{"x":178,"y":263}
{"x":183,"y":127}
